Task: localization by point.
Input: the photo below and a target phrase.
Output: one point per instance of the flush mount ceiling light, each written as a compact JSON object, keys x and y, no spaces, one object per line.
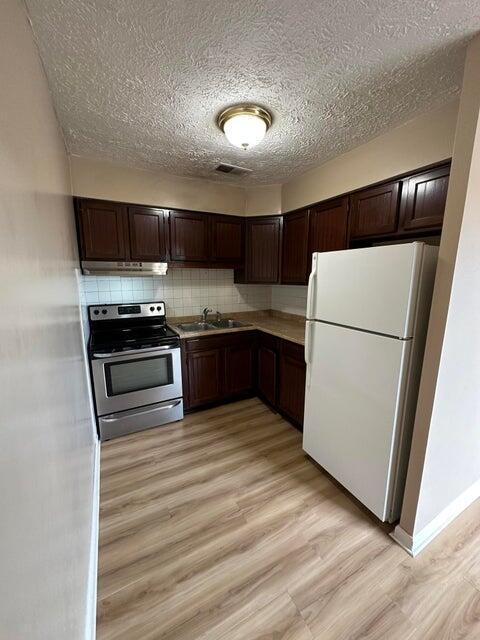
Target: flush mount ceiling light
{"x":245,"y":125}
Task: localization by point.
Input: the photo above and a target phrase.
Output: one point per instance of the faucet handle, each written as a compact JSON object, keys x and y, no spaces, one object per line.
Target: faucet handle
{"x":219,"y":315}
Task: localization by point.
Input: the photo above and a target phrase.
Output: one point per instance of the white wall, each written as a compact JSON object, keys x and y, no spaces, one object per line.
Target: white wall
{"x":421,"y":141}
{"x":263,"y":200}
{"x":108,"y":181}
{"x":47,"y":444}
{"x":444,"y":470}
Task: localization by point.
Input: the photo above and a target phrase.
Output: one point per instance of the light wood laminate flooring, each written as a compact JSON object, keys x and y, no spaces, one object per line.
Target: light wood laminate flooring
{"x":219,"y":527}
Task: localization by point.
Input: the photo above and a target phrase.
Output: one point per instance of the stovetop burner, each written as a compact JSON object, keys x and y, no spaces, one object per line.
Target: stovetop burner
{"x":127,"y":339}
{"x":143,"y":327}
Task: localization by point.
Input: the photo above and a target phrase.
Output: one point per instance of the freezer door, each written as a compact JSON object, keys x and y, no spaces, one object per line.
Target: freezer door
{"x":353,"y":409}
{"x":373,"y":289}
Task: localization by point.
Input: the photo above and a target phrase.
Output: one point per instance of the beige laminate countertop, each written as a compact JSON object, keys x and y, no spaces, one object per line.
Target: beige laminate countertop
{"x":282,"y":325}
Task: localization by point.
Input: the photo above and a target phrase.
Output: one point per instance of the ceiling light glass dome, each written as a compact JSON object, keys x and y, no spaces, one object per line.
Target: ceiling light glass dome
{"x":245,"y":125}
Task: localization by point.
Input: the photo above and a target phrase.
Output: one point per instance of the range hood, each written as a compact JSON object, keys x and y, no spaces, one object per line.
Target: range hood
{"x":101,"y":268}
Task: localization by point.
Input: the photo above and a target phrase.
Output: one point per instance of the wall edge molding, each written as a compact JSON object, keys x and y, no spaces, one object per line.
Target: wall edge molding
{"x":91,"y":618}
{"x":416,"y":543}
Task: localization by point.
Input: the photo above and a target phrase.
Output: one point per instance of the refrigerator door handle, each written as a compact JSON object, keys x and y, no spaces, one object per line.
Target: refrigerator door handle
{"x":311,"y":286}
{"x":308,"y":342}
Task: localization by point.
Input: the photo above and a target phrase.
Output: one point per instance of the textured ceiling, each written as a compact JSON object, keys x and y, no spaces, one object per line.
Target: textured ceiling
{"x":139,"y":82}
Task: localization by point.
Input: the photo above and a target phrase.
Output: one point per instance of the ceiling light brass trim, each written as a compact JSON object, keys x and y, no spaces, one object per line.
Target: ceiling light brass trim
{"x":240,"y":109}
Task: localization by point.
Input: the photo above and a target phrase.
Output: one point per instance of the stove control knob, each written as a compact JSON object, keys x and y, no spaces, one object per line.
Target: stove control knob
{"x":104,"y":312}
{"x":96,"y":312}
{"x":159,"y":308}
{"x":152,"y":308}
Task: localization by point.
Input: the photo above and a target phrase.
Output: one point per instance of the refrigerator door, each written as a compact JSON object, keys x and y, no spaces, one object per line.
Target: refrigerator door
{"x":354,"y":409}
{"x":374,"y":289}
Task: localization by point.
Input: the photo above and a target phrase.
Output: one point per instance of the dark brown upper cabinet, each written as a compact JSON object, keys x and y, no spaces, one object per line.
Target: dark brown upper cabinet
{"x":263,"y":242}
{"x":189,"y":236}
{"x":295,"y":260}
{"x":227,"y":239}
{"x":102,"y":228}
{"x":328,"y":226}
{"x":148,"y":229}
{"x":374,"y":211}
{"x":423,"y":199}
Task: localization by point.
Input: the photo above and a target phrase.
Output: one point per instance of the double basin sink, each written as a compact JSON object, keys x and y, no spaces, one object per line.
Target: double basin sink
{"x":214,"y":324}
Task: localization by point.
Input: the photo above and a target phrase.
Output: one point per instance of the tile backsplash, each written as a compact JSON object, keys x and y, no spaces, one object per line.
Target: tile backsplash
{"x":187,"y":291}
{"x":289,"y":299}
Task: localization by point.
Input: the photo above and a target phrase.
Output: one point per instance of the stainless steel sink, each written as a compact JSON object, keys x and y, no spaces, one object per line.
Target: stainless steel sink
{"x":228,"y":324}
{"x":196,"y":326}
{"x":214,"y":324}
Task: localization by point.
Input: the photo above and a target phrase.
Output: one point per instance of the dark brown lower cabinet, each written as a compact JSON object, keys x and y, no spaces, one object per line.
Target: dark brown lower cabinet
{"x":217,"y":368}
{"x":239,"y":367}
{"x":291,"y":388}
{"x":229,"y":366}
{"x":204,"y":377}
{"x":267,"y":368}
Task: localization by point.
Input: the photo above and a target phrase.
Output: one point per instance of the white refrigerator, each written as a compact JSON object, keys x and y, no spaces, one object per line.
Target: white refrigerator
{"x":367,"y":317}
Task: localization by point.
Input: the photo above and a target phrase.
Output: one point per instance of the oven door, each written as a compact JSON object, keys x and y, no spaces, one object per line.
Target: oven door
{"x":133,"y":379}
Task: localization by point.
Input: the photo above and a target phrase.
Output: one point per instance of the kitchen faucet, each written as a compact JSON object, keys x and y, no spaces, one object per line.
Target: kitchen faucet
{"x":205,"y":313}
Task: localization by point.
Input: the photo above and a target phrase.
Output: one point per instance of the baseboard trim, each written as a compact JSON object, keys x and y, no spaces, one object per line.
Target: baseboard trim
{"x":416,"y":543}
{"x":404,"y":539}
{"x":91,"y":614}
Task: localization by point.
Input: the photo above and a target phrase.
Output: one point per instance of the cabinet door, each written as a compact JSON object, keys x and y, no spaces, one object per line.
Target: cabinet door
{"x":102,"y":230}
{"x":295,"y":248}
{"x":423,"y":199}
{"x":204,"y":376}
{"x":239,"y":372}
{"x":267,"y":373}
{"x":148,"y":233}
{"x":374,"y":211}
{"x":291,"y":395}
{"x":263,"y":249}
{"x":328,"y":227}
{"x":227,"y":239}
{"x":189,"y":236}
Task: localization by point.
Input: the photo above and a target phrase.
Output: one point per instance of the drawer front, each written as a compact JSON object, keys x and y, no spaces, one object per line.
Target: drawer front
{"x":215,"y":342}
{"x":268,"y":341}
{"x":293,"y":350}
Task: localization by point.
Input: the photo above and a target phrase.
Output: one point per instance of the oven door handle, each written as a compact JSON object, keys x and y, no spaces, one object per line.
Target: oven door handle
{"x":134,"y":412}
{"x":165,"y":347}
